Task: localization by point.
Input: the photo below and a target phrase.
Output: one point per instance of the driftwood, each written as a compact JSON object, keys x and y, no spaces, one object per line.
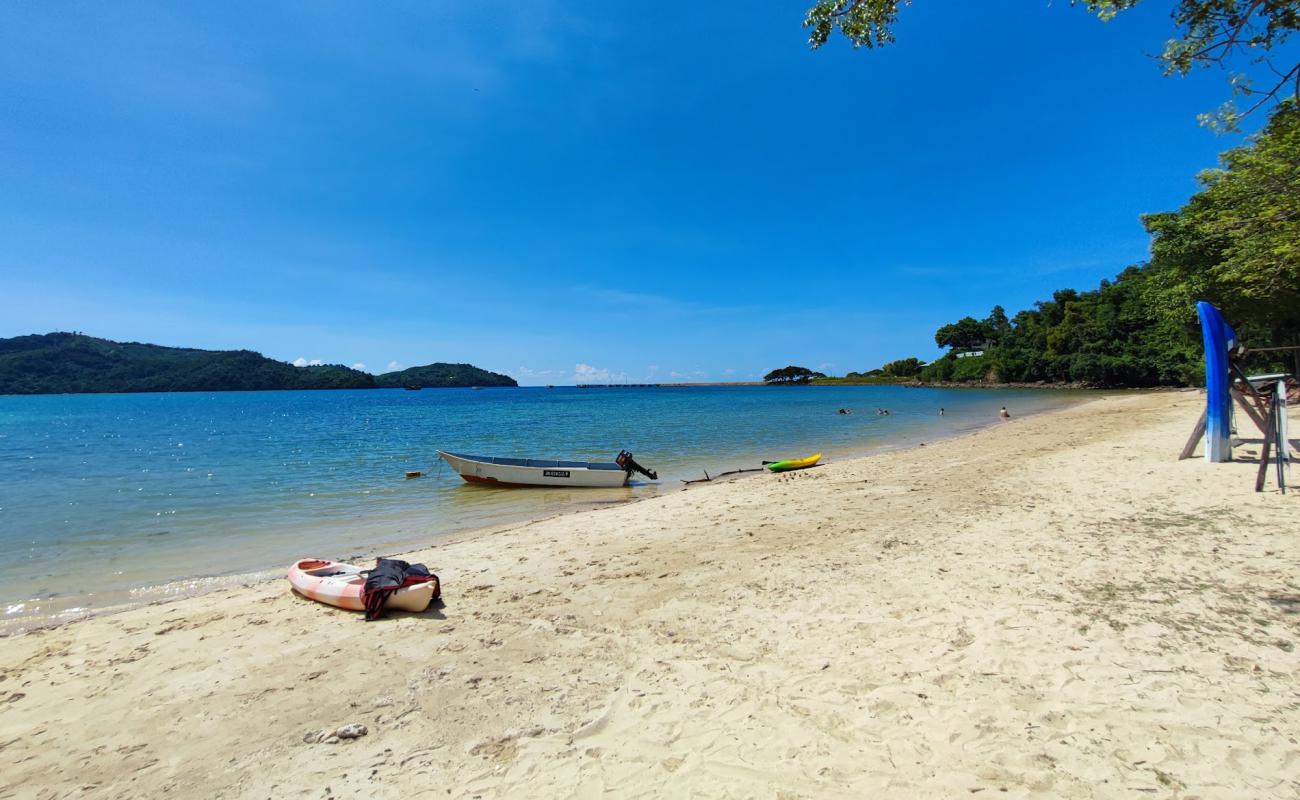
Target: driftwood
{"x":707,"y":477}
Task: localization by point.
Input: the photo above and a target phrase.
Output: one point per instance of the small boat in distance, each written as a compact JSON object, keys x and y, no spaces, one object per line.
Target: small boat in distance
{"x":410,"y":387}
{"x":514,"y":472}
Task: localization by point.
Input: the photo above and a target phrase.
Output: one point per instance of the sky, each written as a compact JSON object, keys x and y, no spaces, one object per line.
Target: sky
{"x":574,"y":191}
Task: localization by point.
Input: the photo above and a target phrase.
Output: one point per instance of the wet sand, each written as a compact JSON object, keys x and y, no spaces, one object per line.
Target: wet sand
{"x":1050,"y":607}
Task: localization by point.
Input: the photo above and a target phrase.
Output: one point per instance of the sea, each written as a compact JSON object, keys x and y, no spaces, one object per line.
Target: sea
{"x":114,"y":500}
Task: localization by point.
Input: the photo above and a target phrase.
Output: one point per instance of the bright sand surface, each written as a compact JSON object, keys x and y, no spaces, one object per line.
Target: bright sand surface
{"x":1051,"y":607}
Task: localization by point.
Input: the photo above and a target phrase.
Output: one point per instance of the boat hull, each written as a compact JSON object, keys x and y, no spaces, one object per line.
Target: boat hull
{"x":310,"y":578}
{"x":522,"y":472}
{"x":1219,"y":338}
{"x":793,"y":464}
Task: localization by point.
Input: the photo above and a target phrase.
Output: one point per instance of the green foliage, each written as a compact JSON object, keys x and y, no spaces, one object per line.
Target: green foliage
{"x":940,"y":370}
{"x":791,"y":375}
{"x":970,"y":368}
{"x":952,"y":369}
{"x":966,"y":333}
{"x":865,"y":23}
{"x":1235,"y":243}
{"x":903,"y":368}
{"x":443,"y":376}
{"x":969,"y":333}
{"x":1209,"y":33}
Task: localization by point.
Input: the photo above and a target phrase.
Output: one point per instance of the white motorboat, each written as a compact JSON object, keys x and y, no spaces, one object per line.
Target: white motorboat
{"x":497,"y":471}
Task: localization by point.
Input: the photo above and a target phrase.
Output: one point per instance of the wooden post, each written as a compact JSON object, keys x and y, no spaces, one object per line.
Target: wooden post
{"x":1250,"y":412}
{"x":1197,"y":434}
{"x":1264,"y":451}
{"x":1279,"y":431}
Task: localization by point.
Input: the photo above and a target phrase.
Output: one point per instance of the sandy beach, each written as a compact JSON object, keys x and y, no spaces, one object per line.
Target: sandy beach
{"x":1051,"y":607}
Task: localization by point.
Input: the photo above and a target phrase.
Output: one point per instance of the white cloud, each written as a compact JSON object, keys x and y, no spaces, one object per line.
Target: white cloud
{"x":585,"y":373}
{"x":393,"y":366}
{"x":359,"y":366}
{"x":302,"y":362}
{"x":530,"y":374}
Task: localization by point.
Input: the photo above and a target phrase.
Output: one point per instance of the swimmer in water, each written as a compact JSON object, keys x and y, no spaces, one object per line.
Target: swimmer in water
{"x":941,"y":411}
{"x":1004,"y":413}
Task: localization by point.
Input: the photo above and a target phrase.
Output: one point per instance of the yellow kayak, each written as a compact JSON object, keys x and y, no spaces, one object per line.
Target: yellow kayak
{"x":798,"y":463}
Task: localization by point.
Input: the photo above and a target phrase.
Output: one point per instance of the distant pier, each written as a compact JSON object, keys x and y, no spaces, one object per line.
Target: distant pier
{"x":666,"y":385}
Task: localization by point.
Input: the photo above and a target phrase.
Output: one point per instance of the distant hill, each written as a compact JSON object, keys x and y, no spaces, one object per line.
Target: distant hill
{"x":58,"y":363}
{"x":442,"y":376}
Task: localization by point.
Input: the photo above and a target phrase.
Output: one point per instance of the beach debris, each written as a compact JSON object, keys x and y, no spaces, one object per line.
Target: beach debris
{"x":414,"y":474}
{"x":354,"y":730}
{"x":707,"y":477}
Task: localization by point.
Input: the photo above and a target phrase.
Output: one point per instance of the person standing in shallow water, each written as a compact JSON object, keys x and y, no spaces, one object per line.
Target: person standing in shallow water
{"x":941,"y":411}
{"x":1004,"y":413}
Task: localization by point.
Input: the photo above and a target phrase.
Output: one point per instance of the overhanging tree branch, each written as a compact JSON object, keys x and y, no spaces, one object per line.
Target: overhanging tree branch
{"x":1209,"y":33}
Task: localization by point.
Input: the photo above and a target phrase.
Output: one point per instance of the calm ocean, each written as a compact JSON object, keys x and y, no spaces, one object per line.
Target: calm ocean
{"x":108,"y":500}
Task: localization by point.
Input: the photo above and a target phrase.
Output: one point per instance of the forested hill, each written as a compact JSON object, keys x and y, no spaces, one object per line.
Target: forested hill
{"x":443,"y":376}
{"x":59,"y":363}
{"x":1236,"y":243}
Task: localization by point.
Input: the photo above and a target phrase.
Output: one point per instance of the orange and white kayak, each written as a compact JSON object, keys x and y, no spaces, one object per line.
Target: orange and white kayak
{"x":337,"y":584}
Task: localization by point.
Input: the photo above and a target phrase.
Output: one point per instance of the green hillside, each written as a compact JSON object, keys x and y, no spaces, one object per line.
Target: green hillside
{"x":56,"y":363}
{"x":443,"y":376}
{"x":72,"y":363}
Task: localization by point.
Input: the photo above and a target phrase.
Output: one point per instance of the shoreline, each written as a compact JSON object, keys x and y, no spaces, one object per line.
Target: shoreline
{"x":1054,"y":606}
{"x":192,"y":586}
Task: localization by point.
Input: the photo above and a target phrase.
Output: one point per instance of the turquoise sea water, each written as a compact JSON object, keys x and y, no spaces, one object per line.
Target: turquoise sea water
{"x":116,"y":499}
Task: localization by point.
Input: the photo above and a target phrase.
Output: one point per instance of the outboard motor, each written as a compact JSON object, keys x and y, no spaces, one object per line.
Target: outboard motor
{"x":625,"y":461}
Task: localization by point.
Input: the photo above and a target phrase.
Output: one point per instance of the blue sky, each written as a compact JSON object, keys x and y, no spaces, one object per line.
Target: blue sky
{"x":574,"y":190}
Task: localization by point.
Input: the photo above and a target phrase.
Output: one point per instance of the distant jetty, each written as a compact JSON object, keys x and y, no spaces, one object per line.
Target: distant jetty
{"x":666,"y":385}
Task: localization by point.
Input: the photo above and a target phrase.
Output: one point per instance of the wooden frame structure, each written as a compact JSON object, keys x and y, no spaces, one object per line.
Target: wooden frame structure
{"x":1267,"y":410}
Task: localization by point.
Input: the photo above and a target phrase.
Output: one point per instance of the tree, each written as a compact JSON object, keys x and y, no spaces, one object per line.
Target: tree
{"x":997,"y":324}
{"x":791,"y":375}
{"x":1209,"y":33}
{"x":966,"y":333}
{"x":903,"y":368}
{"x":1236,"y":242}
